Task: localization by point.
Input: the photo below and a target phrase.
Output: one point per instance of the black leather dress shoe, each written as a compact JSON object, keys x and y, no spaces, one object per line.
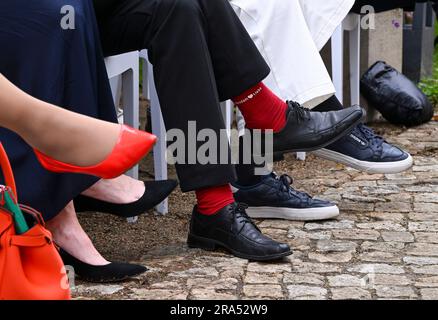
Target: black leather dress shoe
{"x":231,"y":228}
{"x":156,"y":192}
{"x":113,"y":272}
{"x":306,"y":130}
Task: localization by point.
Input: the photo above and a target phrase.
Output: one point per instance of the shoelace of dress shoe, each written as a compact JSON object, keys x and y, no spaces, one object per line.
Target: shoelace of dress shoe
{"x":301,"y":113}
{"x":376,"y":142}
{"x":239,"y":212}
{"x":285,"y":185}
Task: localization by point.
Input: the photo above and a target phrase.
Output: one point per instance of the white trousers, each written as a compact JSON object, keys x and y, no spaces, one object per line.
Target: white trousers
{"x":289,"y":35}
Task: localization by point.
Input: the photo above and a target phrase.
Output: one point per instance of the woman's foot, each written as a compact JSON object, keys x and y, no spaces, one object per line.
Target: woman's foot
{"x":78,"y":251}
{"x":124,"y":196}
{"x":131,"y":146}
{"x":69,"y":235}
{"x":120,"y":190}
{"x":112,"y":272}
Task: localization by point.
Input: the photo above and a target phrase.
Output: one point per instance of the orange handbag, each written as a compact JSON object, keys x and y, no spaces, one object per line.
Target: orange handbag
{"x":30,"y":265}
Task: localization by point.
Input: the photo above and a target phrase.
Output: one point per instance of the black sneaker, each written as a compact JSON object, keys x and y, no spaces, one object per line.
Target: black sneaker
{"x":308,"y":131}
{"x":363,"y":150}
{"x":231,"y":228}
{"x":274,"y":198}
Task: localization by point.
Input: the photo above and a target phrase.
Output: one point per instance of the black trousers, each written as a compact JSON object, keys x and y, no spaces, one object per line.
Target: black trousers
{"x":201,"y":55}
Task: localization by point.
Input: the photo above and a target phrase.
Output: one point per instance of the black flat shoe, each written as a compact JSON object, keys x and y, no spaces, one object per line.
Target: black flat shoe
{"x":231,"y":228}
{"x":308,"y":131}
{"x":113,"y":272}
{"x":156,"y":192}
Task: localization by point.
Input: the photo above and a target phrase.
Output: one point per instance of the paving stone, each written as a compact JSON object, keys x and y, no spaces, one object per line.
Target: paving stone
{"x":376,"y":268}
{"x":390,"y":279}
{"x":336,"y":257}
{"x":382,"y":246}
{"x":97,"y":289}
{"x":429,"y":293}
{"x":353,"y":293}
{"x":263,"y":291}
{"x":268,"y":267}
{"x":196,"y":272}
{"x":310,"y":278}
{"x":210,"y":294}
{"x":357,"y":198}
{"x":258,"y":278}
{"x":318,"y":235}
{"x":300,"y":291}
{"x":281,"y":224}
{"x":429,"y":281}
{"x":356,"y":234}
{"x":427,"y":237}
{"x":308,"y":267}
{"x":423,"y":216}
{"x":394,"y":207}
{"x":425,"y":226}
{"x":220,"y":284}
{"x":356,"y":206}
{"x":427,"y":197}
{"x":397,"y":236}
{"x":425,"y":207}
{"x":395,"y":292}
{"x":335,"y":245}
{"x":345,"y":280}
{"x":422,"y":249}
{"x":432,"y":270}
{"x":386,"y":216}
{"x":378,"y":256}
{"x":330,"y":225}
{"x":158,"y":294}
{"x":421,"y":261}
{"x":381,"y":225}
{"x":381,"y":190}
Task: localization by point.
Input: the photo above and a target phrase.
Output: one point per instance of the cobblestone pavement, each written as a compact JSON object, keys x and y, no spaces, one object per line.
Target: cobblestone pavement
{"x":384,"y":245}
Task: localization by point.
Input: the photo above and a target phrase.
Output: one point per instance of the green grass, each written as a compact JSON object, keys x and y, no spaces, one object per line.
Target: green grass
{"x":430,"y":85}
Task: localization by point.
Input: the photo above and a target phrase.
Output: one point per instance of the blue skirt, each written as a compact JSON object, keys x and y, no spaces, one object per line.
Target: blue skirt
{"x":61,"y":66}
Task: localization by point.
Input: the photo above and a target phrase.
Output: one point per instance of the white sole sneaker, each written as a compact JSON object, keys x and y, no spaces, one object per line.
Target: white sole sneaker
{"x":366,"y":166}
{"x":308,"y":214}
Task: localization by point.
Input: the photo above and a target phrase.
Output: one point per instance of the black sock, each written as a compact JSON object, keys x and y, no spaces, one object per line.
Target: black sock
{"x":331,"y":104}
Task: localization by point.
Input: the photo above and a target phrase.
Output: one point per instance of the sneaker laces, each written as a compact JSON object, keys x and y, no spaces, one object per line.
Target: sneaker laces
{"x":301,"y":113}
{"x":285,"y":185}
{"x":239,"y":212}
{"x":376,"y":141}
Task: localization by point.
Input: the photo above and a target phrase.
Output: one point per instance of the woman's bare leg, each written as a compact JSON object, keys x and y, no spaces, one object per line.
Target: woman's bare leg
{"x":69,"y":235}
{"x":61,"y":134}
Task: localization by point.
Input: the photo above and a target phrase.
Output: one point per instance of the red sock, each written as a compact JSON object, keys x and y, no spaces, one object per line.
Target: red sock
{"x":261,"y":108}
{"x":211,"y":200}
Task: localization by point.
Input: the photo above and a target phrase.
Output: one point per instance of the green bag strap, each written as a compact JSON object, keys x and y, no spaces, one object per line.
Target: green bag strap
{"x":7,"y":171}
{"x":11,"y":199}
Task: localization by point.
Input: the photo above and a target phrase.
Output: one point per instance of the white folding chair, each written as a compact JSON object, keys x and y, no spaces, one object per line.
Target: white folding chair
{"x":158,"y":127}
{"x":127,"y":66}
{"x":352,"y":25}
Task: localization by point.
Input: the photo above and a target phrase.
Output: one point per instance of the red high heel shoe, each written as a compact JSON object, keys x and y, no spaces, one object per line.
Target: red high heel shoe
{"x":131,"y":147}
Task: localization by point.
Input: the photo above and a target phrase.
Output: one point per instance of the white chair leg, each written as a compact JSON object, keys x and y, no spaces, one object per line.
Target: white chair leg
{"x":145,"y":80}
{"x":338,"y":61}
{"x":301,"y":156}
{"x":227,"y":112}
{"x":131,"y":105}
{"x":159,"y":130}
{"x":354,"y":36}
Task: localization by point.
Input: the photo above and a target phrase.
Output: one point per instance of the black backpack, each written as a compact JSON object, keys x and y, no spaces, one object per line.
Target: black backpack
{"x":396,"y":97}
